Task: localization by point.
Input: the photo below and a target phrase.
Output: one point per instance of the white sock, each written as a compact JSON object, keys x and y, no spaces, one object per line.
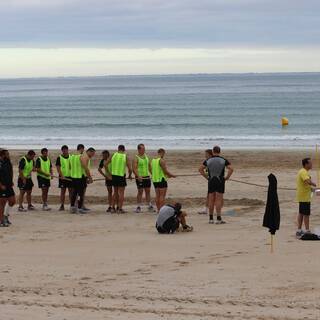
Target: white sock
{"x":7,"y":210}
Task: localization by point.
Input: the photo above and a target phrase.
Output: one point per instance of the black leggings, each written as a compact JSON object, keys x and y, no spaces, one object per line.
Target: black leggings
{"x":170,"y":226}
{"x":79,"y":187}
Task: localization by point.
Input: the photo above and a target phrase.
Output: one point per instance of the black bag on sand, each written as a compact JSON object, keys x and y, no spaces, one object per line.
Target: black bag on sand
{"x":309,"y":236}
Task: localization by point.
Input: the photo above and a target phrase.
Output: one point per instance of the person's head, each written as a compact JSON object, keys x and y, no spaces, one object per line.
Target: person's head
{"x":31,"y":154}
{"x":216,"y":150}
{"x":80,"y":148}
{"x":91,"y":152}
{"x":208,"y":153}
{"x":65,"y":150}
{"x":121,"y":148}
{"x":177,"y":207}
{"x":105,"y":154}
{"x":4,"y":154}
{"x":141,"y":149}
{"x":161,"y":152}
{"x":44,"y":152}
{"x":307,"y":163}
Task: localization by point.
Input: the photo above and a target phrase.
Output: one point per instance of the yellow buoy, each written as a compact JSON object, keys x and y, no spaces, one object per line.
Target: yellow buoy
{"x":284,"y":121}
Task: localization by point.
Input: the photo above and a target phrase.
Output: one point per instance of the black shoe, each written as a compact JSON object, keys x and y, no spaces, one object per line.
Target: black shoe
{"x":3,"y":224}
{"x":109,"y":209}
{"x":6,"y":220}
{"x":61,"y":208}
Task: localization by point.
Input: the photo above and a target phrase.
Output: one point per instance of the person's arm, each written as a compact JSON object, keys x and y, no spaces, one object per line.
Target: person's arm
{"x":230,"y":172}
{"x":58,"y":166}
{"x":150,"y":168}
{"x":135,"y":168}
{"x":100,"y":168}
{"x":129,"y":167}
{"x":202,"y":171}
{"x":22,"y":164}
{"x":51,"y":170}
{"x":85,"y":165}
{"x":310,"y":182}
{"x":163,"y":165}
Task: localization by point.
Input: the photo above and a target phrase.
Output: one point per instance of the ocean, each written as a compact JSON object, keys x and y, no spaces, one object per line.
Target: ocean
{"x":174,"y":111}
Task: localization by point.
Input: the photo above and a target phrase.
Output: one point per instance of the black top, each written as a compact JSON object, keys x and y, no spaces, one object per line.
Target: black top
{"x":6,"y":173}
{"x":58,"y":162}
{"x":22,"y":163}
{"x":38,"y":163}
{"x":101,"y":164}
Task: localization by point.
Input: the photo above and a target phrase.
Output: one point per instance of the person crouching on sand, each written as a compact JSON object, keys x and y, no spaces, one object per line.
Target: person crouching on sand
{"x":169,"y":219}
{"x":304,"y":188}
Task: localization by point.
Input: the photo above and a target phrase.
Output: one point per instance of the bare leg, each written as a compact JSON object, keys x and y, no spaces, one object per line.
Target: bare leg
{"x":306,"y":220}
{"x":70,"y":191}
{"x":45,"y":195}
{"x":139,"y":196}
{"x":148,"y":198}
{"x":115,"y":198}
{"x":299,"y":221}
{"x":29,"y":192}
{"x":21,"y":196}
{"x":121,"y":196}
{"x":3,"y":202}
{"x":109,"y":196}
{"x":219,"y":203}
{"x":62,"y":196}
{"x":162,"y":197}
{"x":157,"y":190}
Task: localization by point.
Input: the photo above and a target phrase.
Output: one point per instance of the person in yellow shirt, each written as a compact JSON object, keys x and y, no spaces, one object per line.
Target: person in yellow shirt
{"x":304,"y":189}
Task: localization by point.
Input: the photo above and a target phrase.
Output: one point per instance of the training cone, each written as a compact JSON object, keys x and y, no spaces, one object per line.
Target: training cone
{"x":284,"y":121}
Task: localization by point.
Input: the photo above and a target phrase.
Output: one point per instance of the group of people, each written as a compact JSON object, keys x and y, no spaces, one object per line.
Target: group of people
{"x":75,"y":173}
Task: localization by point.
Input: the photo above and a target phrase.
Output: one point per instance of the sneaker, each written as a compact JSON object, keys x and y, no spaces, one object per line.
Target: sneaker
{"x":138,"y":210}
{"x":82,"y":211}
{"x":220,"y":222}
{"x":61,"y":208}
{"x":151,"y":208}
{"x":86,"y":209}
{"x":3,"y":224}
{"x":299,"y":234}
{"x":73,"y":209}
{"x":113,"y":210}
{"x":6,"y":220}
{"x":211,"y":221}
{"x":45,"y":207}
{"x":31,"y":207}
{"x":109,"y":209}
{"x":187,"y":228}
{"x":22,"y":209}
{"x":203,"y":212}
{"x":121,"y":211}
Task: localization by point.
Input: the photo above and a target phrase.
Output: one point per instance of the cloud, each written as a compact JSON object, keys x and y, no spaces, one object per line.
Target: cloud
{"x":155,"y":23}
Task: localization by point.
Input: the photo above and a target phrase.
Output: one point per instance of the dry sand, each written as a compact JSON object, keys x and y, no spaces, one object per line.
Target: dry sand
{"x":100,"y":266}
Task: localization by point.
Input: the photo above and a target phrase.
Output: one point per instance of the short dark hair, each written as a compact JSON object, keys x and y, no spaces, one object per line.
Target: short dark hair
{"x":43,"y":150}
{"x":105,"y":152}
{"x":140,"y":145}
{"x":161,"y":150}
{"x":3,"y":152}
{"x":209,"y":151}
{"x":80,"y":146}
{"x":177,"y":208}
{"x":216,"y":149}
{"x":121,"y":147}
{"x":31,"y":153}
{"x":91,"y":149}
{"x":64,"y":147}
{"x":305,"y":161}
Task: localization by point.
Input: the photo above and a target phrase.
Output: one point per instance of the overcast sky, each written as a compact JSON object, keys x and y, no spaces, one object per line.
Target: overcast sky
{"x":95,"y":37}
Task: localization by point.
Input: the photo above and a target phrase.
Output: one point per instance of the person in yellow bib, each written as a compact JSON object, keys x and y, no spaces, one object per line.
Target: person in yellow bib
{"x":160,"y":174}
{"x":141,"y":168}
{"x":64,"y":171}
{"x":119,"y":163}
{"x":44,"y":176}
{"x":303,"y":196}
{"x":105,"y":170}
{"x":25,"y":184}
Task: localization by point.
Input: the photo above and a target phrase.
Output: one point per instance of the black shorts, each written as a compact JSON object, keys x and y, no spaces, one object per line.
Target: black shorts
{"x":118,"y":181}
{"x":79,"y":183}
{"x":108,"y":183}
{"x":216,"y":184}
{"x":144,"y":183}
{"x":8,"y":193}
{"x":305,"y":208}
{"x":43,"y":182}
{"x":27,"y":186}
{"x":170,"y":226}
{"x":63,"y":184}
{"x":161,"y":185}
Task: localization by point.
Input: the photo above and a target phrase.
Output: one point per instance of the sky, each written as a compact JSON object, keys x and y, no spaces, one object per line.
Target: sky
{"x":102,"y":37}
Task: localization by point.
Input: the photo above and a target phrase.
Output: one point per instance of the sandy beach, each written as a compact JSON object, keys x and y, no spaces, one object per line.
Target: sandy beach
{"x":100,"y":266}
